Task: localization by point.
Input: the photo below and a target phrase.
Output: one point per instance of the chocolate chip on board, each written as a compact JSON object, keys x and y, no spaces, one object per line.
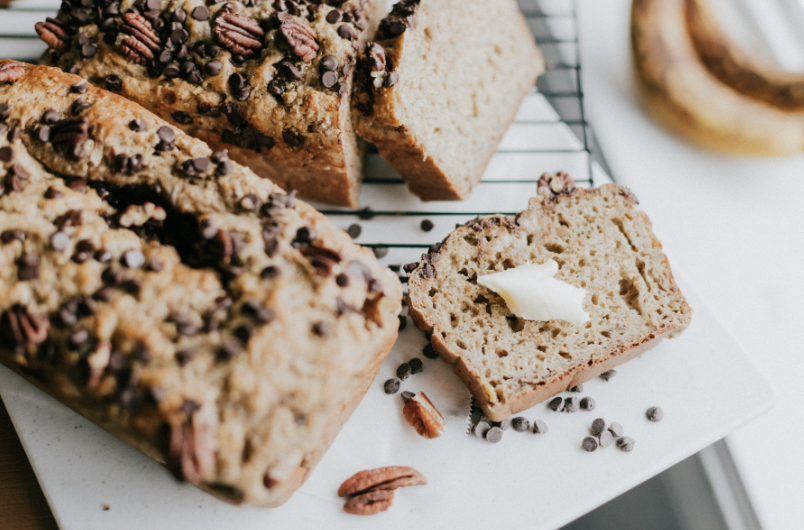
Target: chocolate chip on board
{"x":556,"y":404}
{"x":520,"y":424}
{"x":403,"y":322}
{"x":429,"y":352}
{"x":571,"y":405}
{"x":391,"y":386}
{"x":589,"y":444}
{"x":494,"y":435}
{"x":354,"y":231}
{"x":539,"y":427}
{"x":655,"y":414}
{"x":616,"y":429}
{"x":427,"y":225}
{"x":605,"y":438}
{"x":482,"y":428}
{"x":608,"y":375}
{"x":416,"y":365}
{"x":625,"y":444}
{"x":403,"y":371}
{"x":577,"y":389}
{"x":598,"y":426}
{"x":406,"y":396}
{"x":588,"y":403}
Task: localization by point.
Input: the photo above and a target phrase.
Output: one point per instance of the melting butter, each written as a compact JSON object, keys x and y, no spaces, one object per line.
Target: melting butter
{"x":531,"y":292}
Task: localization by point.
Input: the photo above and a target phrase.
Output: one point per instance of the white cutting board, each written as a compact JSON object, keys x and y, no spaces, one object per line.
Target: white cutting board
{"x":705,"y":384}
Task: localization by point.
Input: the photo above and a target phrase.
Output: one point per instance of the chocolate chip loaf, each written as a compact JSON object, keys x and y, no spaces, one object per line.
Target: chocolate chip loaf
{"x":601,"y":241}
{"x":269,"y":81}
{"x":439,"y":87}
{"x":175,"y":298}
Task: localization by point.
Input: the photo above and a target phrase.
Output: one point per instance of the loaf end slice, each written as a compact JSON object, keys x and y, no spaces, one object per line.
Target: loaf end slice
{"x":601,"y":241}
{"x":270,"y":82}
{"x":175,"y":298}
{"x":439,"y":87}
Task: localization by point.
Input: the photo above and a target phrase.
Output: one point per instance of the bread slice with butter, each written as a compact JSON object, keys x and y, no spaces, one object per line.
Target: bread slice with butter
{"x":601,"y":242}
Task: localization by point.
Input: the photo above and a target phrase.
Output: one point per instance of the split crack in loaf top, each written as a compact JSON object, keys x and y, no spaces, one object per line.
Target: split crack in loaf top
{"x":270,"y":81}
{"x":175,"y":298}
{"x":601,"y":241}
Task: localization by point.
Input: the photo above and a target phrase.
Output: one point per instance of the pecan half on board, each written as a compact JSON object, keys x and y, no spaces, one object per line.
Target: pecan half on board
{"x":372,"y":490}
{"x":423,"y":416}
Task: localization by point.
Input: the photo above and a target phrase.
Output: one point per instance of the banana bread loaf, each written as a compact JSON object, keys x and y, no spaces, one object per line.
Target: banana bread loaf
{"x":175,"y":298}
{"x":269,"y":81}
{"x":601,"y":242}
{"x":440,"y":86}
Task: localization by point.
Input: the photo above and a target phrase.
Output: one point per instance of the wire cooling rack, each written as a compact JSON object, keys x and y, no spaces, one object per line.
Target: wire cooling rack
{"x":549,"y":133}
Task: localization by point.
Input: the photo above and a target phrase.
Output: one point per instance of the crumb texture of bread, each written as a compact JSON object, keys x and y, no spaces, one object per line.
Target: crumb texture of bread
{"x":602,"y":242}
{"x":175,"y":298}
{"x":269,"y":81}
{"x":450,"y":85}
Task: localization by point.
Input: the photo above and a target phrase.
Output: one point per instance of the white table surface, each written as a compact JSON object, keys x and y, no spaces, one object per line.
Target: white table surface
{"x":736,"y":228}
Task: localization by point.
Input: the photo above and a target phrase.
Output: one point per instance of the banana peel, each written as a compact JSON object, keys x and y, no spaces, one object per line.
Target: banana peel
{"x":698,"y":83}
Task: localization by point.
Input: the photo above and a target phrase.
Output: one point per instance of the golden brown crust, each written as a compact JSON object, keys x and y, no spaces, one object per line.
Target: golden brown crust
{"x":686,"y":92}
{"x":246,"y":424}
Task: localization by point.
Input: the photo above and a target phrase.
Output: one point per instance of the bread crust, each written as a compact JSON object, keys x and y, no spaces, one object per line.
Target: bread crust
{"x":698,"y":84}
{"x":230,"y":402}
{"x":450,"y":290}
{"x":384,"y":118}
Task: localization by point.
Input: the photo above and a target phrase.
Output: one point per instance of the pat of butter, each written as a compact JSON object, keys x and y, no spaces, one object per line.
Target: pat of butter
{"x":531,"y":292}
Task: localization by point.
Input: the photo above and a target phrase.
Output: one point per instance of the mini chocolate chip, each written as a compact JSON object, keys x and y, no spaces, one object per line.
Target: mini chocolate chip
{"x":80,"y":87}
{"x":52,"y":193}
{"x":213,"y":67}
{"x":229,"y":350}
{"x":113,"y":83}
{"x":256,"y":309}
{"x":244,"y":332}
{"x":133,"y":259}
{"x":346,"y":31}
{"x":392,"y":79}
{"x":28,"y":266}
{"x":354,"y":231}
{"x":616,"y":429}
{"x":403,"y":322}
{"x":539,"y":427}
{"x":520,"y":424}
{"x":14,"y":134}
{"x":392,"y":386}
{"x":172,"y":70}
{"x":321,"y":329}
{"x":571,"y":404}
{"x":380,"y":252}
{"x":416,"y":365}
{"x":6,"y":154}
{"x":625,"y":444}
{"x":270,"y":272}
{"x":166,"y":134}
{"x":51,"y":116}
{"x":103,"y":256}
{"x":608,"y":375}
{"x":403,"y":371}
{"x":88,"y":50}
{"x":137,"y":125}
{"x":427,"y":225}
{"x":482,"y":428}
{"x":329,"y":63}
{"x":578,"y":388}
{"x":292,"y":138}
{"x":179,"y":36}
{"x":200,"y":13}
{"x":12,"y":235}
{"x":655,"y":414}
{"x":589,"y":444}
{"x":504,"y":424}
{"x":5,"y":111}
{"x":59,"y":241}
{"x":78,"y":337}
{"x":342,"y":280}
{"x":249,"y":202}
{"x":182,"y":117}
{"x":556,"y":404}
{"x":334,"y":16}
{"x":43,"y":134}
{"x":429,"y":352}
{"x":588,"y":403}
{"x":184,"y":356}
{"x":494,"y":434}
{"x":598,"y":426}
{"x":605,"y":438}
{"x":407,"y":396}
{"x":329,"y":79}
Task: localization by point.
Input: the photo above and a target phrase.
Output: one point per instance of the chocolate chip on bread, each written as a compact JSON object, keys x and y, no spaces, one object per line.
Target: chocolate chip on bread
{"x":439,"y":87}
{"x":269,"y":81}
{"x":175,"y":298}
{"x":602,"y":243}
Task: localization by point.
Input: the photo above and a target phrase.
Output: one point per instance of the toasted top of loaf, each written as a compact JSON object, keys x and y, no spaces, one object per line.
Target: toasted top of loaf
{"x":439,"y":87}
{"x":173,"y":297}
{"x":270,"y":79}
{"x":601,"y":241}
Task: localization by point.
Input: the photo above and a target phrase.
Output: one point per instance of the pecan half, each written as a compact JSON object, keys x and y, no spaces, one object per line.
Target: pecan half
{"x":141,"y":29}
{"x":554,"y":185}
{"x":382,"y":478}
{"x":191,"y":453}
{"x":423,"y":416}
{"x":70,"y":134}
{"x":55,"y":34}
{"x":10,"y":72}
{"x":240,"y":34}
{"x":369,"y":503}
{"x":301,"y":38}
{"x":22,"y":326}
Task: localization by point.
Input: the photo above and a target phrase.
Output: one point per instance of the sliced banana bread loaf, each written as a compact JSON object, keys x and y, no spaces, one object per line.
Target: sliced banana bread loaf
{"x":440,"y":86}
{"x":175,"y":298}
{"x":601,"y":241}
{"x":270,"y":81}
